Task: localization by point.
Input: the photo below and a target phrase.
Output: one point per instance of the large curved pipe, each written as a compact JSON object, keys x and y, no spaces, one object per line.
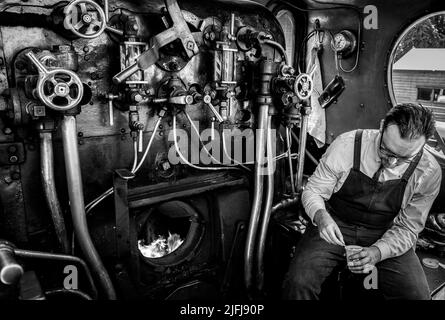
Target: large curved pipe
{"x":77,"y":204}
{"x":264,"y":102}
{"x":257,"y":196}
{"x":49,"y":188}
{"x":267,"y":207}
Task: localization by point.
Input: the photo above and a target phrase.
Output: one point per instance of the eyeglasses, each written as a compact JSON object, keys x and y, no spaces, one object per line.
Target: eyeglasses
{"x":385,"y":152}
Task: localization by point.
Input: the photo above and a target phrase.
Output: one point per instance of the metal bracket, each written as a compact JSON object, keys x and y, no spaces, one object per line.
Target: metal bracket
{"x":179,"y":30}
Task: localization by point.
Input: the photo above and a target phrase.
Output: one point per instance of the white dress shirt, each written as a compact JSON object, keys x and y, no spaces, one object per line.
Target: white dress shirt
{"x":422,"y":188}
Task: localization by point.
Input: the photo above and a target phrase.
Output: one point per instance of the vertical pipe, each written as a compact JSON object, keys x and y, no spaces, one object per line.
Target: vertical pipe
{"x":49,"y":188}
{"x":257,"y":197}
{"x":106,"y":11}
{"x":267,"y":207}
{"x":75,"y":193}
{"x":267,"y":70}
{"x":301,"y":151}
{"x":289,"y":159}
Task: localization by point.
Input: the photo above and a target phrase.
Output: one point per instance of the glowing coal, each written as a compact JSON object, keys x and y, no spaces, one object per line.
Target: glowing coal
{"x":161,"y":246}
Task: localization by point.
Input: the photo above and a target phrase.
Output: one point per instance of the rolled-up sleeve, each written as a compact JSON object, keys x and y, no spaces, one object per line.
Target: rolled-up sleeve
{"x":327,"y":175}
{"x":411,"y":219}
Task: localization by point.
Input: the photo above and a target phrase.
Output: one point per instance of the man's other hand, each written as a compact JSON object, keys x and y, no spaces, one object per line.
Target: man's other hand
{"x":329,"y":230}
{"x":360,"y":262}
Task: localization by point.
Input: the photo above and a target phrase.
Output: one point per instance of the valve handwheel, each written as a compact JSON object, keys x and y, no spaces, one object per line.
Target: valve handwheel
{"x":303,"y":86}
{"x":85,"y":18}
{"x":58,"y":89}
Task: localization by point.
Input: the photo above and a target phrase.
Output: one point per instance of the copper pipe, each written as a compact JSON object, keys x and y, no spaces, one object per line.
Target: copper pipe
{"x":77,"y":204}
{"x":49,"y":188}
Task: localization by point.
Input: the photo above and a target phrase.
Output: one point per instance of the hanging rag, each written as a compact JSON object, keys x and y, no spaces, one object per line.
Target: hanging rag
{"x":317,"y":118}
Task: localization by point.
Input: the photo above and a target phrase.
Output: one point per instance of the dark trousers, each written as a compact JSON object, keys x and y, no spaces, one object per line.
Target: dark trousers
{"x":398,"y":278}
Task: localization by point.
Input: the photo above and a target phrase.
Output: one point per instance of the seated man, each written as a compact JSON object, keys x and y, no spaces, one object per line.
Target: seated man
{"x":379,"y":186}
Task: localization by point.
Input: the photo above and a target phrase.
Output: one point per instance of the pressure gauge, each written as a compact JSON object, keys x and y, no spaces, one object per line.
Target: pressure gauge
{"x":344,"y":43}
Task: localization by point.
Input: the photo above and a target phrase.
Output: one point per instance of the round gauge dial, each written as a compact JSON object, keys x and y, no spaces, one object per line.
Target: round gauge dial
{"x":344,"y":43}
{"x":340,"y":42}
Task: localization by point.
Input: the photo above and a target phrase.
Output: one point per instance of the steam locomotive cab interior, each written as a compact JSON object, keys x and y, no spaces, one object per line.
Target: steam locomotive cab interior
{"x":159,"y":149}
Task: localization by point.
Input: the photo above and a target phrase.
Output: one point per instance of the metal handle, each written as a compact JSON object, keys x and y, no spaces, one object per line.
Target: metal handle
{"x":207,"y":100}
{"x":37,"y":63}
{"x":126,"y":73}
{"x":10,"y":270}
{"x":140,"y":140}
{"x":111,"y":111}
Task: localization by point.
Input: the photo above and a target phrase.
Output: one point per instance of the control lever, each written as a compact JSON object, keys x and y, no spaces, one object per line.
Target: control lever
{"x":208,"y":101}
{"x":61,"y":94}
{"x":179,"y":30}
{"x":179,"y":100}
{"x":110,"y":97}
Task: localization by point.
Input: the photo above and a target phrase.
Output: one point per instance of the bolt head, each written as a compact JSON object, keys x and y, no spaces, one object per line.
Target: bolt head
{"x":190,"y":45}
{"x":13,"y":159}
{"x":62,"y":90}
{"x":207,"y":99}
{"x":87,"y":18}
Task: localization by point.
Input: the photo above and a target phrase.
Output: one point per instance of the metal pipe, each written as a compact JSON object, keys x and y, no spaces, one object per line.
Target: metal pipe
{"x":280,"y":48}
{"x":257,"y":196}
{"x":286,"y":203}
{"x":289,"y":159}
{"x":59,"y":257}
{"x":267,"y":207}
{"x":106,"y":11}
{"x":49,"y":188}
{"x":267,"y":71}
{"x":301,"y":151}
{"x":75,"y":193}
{"x":309,"y":155}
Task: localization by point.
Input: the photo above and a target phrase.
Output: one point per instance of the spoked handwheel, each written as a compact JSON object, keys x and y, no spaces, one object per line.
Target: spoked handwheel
{"x":303,"y":86}
{"x":58,"y":89}
{"x":85,"y":18}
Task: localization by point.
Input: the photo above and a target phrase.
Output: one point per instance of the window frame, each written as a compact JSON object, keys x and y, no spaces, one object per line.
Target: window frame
{"x":390,"y":61}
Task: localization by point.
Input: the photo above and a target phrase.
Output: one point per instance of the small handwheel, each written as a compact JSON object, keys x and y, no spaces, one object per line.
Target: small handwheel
{"x":303,"y":86}
{"x":85,"y":18}
{"x":58,"y":89}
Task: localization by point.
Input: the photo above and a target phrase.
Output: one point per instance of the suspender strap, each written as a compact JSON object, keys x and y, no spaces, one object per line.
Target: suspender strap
{"x":357,"y":149}
{"x":412,"y":166}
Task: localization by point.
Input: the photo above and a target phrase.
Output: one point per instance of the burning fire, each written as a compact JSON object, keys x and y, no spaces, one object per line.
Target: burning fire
{"x":160,"y":246}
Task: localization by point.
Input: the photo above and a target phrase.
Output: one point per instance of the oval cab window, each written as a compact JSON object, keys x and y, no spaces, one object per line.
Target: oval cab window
{"x":416,"y":69}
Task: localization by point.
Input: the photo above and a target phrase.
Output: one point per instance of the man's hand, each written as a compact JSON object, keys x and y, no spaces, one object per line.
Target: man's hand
{"x":362,"y":261}
{"x":329,"y":230}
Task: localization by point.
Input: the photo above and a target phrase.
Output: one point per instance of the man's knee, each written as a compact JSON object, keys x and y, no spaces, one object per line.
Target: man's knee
{"x":403,"y":278}
{"x":301,"y":282}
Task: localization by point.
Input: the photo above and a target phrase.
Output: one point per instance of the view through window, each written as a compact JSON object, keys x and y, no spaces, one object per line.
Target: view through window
{"x":418,"y":65}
